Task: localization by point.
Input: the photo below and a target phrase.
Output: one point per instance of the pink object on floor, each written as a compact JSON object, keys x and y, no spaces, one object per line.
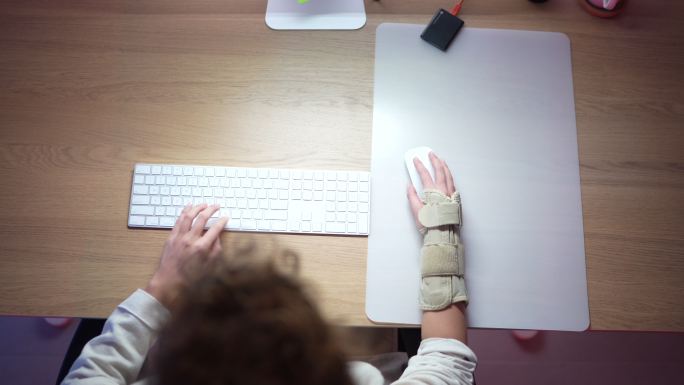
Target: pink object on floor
{"x":603,"y":8}
{"x":59,"y":322}
{"x":605,"y":4}
{"x":525,"y":335}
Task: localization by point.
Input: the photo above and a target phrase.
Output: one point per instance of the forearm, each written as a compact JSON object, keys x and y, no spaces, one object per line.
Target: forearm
{"x":117,"y":355}
{"x":446,"y":323}
{"x":443,"y":290}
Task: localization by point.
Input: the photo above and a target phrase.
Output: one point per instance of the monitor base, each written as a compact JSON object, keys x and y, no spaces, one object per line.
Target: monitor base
{"x":315,"y":14}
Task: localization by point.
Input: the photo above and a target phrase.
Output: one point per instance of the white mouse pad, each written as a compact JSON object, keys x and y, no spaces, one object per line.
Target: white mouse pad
{"x":499,"y":107}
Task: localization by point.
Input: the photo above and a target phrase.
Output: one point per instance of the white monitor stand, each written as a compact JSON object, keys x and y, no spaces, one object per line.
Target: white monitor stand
{"x":315,"y":14}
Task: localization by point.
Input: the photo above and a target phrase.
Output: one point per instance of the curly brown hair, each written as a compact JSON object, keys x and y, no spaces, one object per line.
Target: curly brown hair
{"x":248,"y":324}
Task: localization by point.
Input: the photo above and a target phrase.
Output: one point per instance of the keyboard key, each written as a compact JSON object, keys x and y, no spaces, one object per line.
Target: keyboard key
{"x":136,"y":220}
{"x":151,"y":221}
{"x":149,"y":179}
{"x":278,"y":225}
{"x":167,"y":221}
{"x":156,"y":170}
{"x":335,"y":227}
{"x":142,"y":169}
{"x":363,"y":223}
{"x":167,"y":170}
{"x":276,"y":214}
{"x":140,"y":199}
{"x":142,"y":210}
{"x":140,"y":179}
{"x":351,"y":227}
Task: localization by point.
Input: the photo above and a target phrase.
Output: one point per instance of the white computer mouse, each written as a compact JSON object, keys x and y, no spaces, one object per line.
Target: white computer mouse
{"x":422,"y":154}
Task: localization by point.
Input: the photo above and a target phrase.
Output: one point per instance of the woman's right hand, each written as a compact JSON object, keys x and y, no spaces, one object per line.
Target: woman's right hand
{"x":443,"y":182}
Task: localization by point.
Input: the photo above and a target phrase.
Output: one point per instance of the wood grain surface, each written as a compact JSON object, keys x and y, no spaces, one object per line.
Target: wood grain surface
{"x":89,"y":88}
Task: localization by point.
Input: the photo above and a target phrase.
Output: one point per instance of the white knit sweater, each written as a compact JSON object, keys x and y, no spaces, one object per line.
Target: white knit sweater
{"x":117,"y":355}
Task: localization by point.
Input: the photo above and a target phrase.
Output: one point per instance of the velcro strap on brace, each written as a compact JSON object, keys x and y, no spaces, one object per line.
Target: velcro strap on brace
{"x":442,"y":259}
{"x":439,"y":209}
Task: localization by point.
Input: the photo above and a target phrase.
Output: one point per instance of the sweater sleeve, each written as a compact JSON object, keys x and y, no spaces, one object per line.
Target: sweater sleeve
{"x":440,"y":361}
{"x":117,"y":355}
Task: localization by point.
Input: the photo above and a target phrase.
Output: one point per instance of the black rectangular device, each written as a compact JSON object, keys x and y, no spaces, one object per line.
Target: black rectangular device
{"x":442,"y":29}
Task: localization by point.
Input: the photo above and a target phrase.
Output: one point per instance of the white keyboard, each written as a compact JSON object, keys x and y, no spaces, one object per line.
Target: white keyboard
{"x":255,"y":199}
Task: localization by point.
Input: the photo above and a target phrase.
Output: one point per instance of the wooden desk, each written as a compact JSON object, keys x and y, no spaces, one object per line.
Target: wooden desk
{"x":89,"y":88}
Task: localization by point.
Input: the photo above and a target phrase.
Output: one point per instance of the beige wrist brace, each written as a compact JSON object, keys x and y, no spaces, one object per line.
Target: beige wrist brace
{"x":442,"y":264}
